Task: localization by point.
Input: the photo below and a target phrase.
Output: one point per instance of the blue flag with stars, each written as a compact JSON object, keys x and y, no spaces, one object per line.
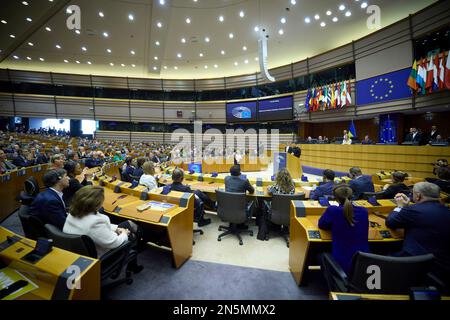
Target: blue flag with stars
{"x":386,"y":87}
{"x":388,"y":128}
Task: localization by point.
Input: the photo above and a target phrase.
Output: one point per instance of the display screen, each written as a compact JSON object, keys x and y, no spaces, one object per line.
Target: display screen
{"x":18,"y":120}
{"x":241,"y":111}
{"x":195,"y":167}
{"x":275,"y":109}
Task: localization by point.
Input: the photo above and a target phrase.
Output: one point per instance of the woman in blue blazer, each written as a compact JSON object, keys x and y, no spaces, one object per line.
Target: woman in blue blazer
{"x":349,"y":226}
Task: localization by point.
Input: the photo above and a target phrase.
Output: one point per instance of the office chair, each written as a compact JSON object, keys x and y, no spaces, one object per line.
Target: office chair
{"x":32,"y":226}
{"x":377,"y":195}
{"x":233,"y":207}
{"x":278,"y":212}
{"x":31,"y":190}
{"x":112,"y":262}
{"x":396,"y":275}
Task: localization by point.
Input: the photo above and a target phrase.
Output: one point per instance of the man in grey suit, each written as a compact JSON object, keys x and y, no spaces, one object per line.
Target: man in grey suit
{"x":235,"y":183}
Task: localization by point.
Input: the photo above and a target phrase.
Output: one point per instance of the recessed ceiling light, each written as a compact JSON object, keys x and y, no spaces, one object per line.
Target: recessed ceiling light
{"x":207,"y":39}
{"x":155,"y":68}
{"x":101,"y":14}
{"x":283,"y":20}
{"x":89,"y":62}
{"x":29,"y":19}
{"x":66,"y":61}
{"x":236,"y":63}
{"x":335,"y":19}
{"x":307,"y":20}
{"x":201,"y":55}
{"x":28,"y":58}
{"x":179,"y":55}
{"x":342,"y":7}
{"x":231,"y":36}
{"x":221,"y":19}
{"x":176,"y":68}
{"x":130,"y":17}
{"x":159,"y":24}
{"x":105,"y":34}
{"x":111,"y":64}
{"x":281,"y":32}
{"x":84,"y":49}
{"x":241,"y":14}
{"x":206,"y":67}
{"x":155,"y":57}
{"x":323,"y":24}
{"x":122,"y":65}
{"x":77,"y":31}
{"x":133,"y":52}
{"x":246,"y":61}
{"x":16,"y":57}
{"x":364,"y":5}
{"x":256,"y":29}
{"x":256,"y":59}
{"x":78,"y":62}
{"x":162,"y":2}
{"x":12,"y":36}
{"x":4,"y":22}
{"x":348,"y":14}
{"x":329,"y":13}
{"x":183,"y":40}
{"x":244,"y":48}
{"x":188,"y":20}
{"x":157,"y":43}
{"x":108,"y":50}
{"x":317,"y":17}
{"x":133,"y":65}
{"x":216,"y":66}
{"x":165,"y":67}
{"x":30,"y":44}
{"x":222,"y":52}
{"x":48,"y":29}
{"x":58,"y":46}
{"x":293,"y":2}
{"x":24,"y":3}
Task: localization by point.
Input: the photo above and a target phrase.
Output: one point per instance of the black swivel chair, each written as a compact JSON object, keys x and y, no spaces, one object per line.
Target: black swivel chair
{"x":31,"y":190}
{"x":32,"y":226}
{"x":233,"y":207}
{"x":112,"y":262}
{"x":396,"y":274}
{"x":279,"y":212}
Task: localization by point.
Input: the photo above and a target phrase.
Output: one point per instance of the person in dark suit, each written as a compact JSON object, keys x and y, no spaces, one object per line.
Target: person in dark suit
{"x":49,"y":205}
{"x":5,"y":165}
{"x":296,"y":151}
{"x":434,"y":133}
{"x":138,"y":171}
{"x":23,"y":159}
{"x":397,"y":186}
{"x":360,"y":183}
{"x":200,"y":197}
{"x":349,"y":227}
{"x":414,"y":136}
{"x":73,"y":170}
{"x":426,"y":224}
{"x":95,"y":161}
{"x":326,"y":188}
{"x":367,"y":140}
{"x":443,"y":179}
{"x":44,"y":157}
{"x":235,"y":183}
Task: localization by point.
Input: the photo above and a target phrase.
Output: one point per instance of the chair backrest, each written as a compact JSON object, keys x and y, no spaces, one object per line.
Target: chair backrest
{"x":80,"y":244}
{"x":394,"y":275}
{"x":31,"y":186}
{"x":377,"y":195}
{"x":281,"y":207}
{"x":231,"y":206}
{"x":32,"y":226}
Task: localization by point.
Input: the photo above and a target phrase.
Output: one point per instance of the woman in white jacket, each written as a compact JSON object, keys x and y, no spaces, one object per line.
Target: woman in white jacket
{"x":84,"y":219}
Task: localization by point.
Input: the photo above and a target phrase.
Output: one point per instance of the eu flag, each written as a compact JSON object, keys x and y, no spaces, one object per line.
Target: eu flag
{"x":386,"y":87}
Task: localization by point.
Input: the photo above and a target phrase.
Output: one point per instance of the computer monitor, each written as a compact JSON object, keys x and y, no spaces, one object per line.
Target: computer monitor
{"x":195,"y":167}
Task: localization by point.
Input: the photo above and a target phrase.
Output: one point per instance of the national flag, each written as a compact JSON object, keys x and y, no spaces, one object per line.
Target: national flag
{"x":349,"y":97}
{"x":325,"y":97}
{"x":436,"y":73}
{"x":352,"y":130}
{"x":308,"y":97}
{"x":343,"y":94}
{"x":429,"y":77}
{"x":423,"y":76}
{"x":419,"y":78}
{"x":338,"y":95}
{"x":412,"y":83}
{"x":447,"y":72}
{"x":333,"y":101}
{"x":441,"y":71}
{"x":329,"y":94}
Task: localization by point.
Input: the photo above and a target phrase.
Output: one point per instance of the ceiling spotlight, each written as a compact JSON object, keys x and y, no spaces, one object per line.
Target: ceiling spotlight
{"x":108,"y":50}
{"x":48,"y":29}
{"x":342,"y":7}
{"x":84,"y":49}
{"x":256,"y":59}
{"x":165,"y":67}
{"x":133,"y":52}
{"x":155,"y":57}
{"x":179,"y":55}
{"x":159,"y":25}
{"x":323,"y":24}
{"x":157,"y":43}
{"x":89,"y":62}
{"x":111,"y":64}
{"x":236,"y":63}
{"x":206,"y":39}
{"x":12,"y":36}
{"x":293,"y":2}
{"x":246,"y":61}
{"x":58,"y":46}
{"x":28,"y":58}
{"x":201,"y":55}
{"x":130,"y":17}
{"x":206,"y":67}
{"x":78,"y":62}
{"x":231,"y":36}
{"x":307,"y":20}
{"x":133,"y":65}
{"x":16,"y":57}
{"x":188,"y":20}
{"x":244,"y":48}
{"x":283,"y":20}
{"x":4,"y":22}
{"x":221,"y":19}
{"x":176,"y":68}
{"x":24,"y":3}
{"x":348,"y":14}
{"x":162,"y":2}
{"x":183,"y":40}
{"x":77,"y":31}
{"x":329,"y":13}
{"x":30,"y":44}
{"x":101,"y":14}
{"x":222,"y":52}
{"x":241,"y":14}
{"x":335,"y":19}
{"x":105,"y":34}
{"x":122,"y":65}
{"x":29,"y":19}
{"x":317,"y":17}
{"x":216,"y":66}
{"x":155,"y":68}
{"x":281,"y":32}
{"x":256,"y":29}
{"x":66,"y":61}
{"x":364,"y":5}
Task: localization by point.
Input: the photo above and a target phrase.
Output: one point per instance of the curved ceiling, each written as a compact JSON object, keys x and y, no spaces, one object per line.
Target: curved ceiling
{"x":124,"y":37}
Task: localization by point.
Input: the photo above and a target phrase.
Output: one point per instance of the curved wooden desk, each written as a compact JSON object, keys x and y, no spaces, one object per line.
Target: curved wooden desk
{"x":307,"y":240}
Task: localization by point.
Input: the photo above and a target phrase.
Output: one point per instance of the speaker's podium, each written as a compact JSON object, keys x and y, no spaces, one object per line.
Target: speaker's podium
{"x":290,"y":162}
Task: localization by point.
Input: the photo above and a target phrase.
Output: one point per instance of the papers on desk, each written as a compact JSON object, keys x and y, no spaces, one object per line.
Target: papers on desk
{"x":308,"y":188}
{"x":8,"y":277}
{"x":160,"y":206}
